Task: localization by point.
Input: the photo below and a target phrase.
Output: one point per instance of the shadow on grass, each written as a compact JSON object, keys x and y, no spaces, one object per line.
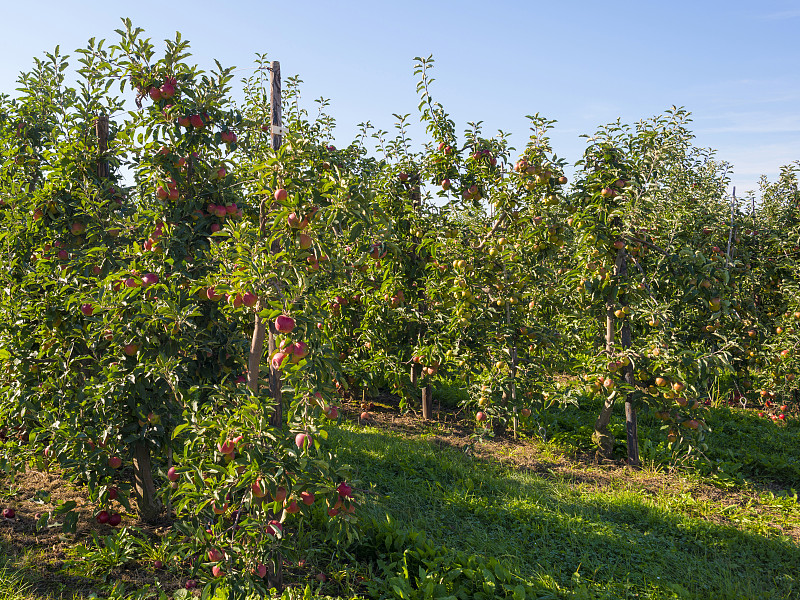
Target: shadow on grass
{"x":612,"y":544}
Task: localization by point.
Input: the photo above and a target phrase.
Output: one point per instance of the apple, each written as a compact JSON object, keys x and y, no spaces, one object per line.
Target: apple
{"x":190,"y":584}
{"x":525,"y":412}
{"x":113,"y":493}
{"x":281,"y":195}
{"x":305,"y":241}
{"x":158,"y":565}
{"x":274,"y":527}
{"x":403,"y":177}
{"x":249,"y":299}
{"x":332,"y":412}
{"x":299,"y":350}
{"x":215,"y":555}
{"x":280,"y":495}
{"x":217,"y":571}
{"x":258,"y":491}
{"x":480,"y":416}
{"x":167,"y":91}
{"x":87,"y":309}
{"x":284,"y":324}
{"x":172,"y":474}
{"x":294,"y":221}
{"x":307,"y":498}
{"x":446,"y":184}
{"x":130,"y":349}
{"x":78,"y":228}
{"x":212,"y":294}
{"x":302,"y":440}
{"x":102,"y":517}
{"x":261,"y":570}
{"x":155,"y":94}
{"x":115,"y":462}
{"x":279,"y":359}
{"x":196,"y":121}
{"x":149,"y":279}
{"x":114,"y":519}
{"x":365,"y":416}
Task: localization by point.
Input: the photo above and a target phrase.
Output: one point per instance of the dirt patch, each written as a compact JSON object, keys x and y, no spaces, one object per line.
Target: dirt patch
{"x":47,"y":557}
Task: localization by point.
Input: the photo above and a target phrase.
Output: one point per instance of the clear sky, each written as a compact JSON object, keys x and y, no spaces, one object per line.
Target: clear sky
{"x":733,"y":64}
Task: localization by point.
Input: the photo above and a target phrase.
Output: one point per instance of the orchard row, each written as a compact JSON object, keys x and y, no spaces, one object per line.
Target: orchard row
{"x":153,"y":253}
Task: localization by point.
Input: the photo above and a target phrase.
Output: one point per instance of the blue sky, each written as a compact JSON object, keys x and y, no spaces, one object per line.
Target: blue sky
{"x":733,"y":64}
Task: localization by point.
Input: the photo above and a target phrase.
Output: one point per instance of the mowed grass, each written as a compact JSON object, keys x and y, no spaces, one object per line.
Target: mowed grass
{"x":572,"y":539}
{"x":724,"y":529}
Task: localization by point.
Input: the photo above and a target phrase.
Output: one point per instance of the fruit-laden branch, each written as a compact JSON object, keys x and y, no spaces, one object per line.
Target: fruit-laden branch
{"x":497,"y":224}
{"x":648,"y":244}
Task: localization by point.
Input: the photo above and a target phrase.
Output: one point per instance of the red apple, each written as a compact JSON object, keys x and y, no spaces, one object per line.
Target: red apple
{"x":113,"y":493}
{"x":305,"y":241}
{"x":281,"y":195}
{"x":196,"y":121}
{"x":249,"y":299}
{"x":149,"y":279}
{"x":280,"y":495}
{"x":279,"y":359}
{"x":172,"y":474}
{"x":480,"y":416}
{"x":114,"y":519}
{"x":284,"y":324}
{"x":87,"y":309}
{"x":115,"y":462}
{"x":155,"y":94}
{"x":302,"y":440}
{"x":130,"y":349}
{"x":217,"y":571}
{"x":344,"y":490}
{"x":307,"y":498}
{"x":261,"y":570}
{"x":215,"y":555}
{"x":258,"y":491}
{"x":102,"y":517}
{"x":274,"y":527}
{"x":167,"y":91}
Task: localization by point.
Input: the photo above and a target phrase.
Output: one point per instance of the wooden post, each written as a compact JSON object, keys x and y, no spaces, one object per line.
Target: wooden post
{"x":277,"y":139}
{"x":602,"y":436}
{"x":427,"y":391}
{"x":262,"y":331}
{"x":631,"y":431}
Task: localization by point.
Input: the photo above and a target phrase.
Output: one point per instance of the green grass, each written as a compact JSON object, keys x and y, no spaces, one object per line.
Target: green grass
{"x":580,"y":534}
{"x":742,"y":447}
{"x":615,"y":543}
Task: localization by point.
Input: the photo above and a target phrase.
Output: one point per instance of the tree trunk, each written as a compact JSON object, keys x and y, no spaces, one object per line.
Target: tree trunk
{"x":602,"y":436}
{"x":144,"y":488}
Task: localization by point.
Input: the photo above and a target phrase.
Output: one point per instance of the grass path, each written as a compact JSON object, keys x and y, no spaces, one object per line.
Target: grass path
{"x":643,"y":535}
